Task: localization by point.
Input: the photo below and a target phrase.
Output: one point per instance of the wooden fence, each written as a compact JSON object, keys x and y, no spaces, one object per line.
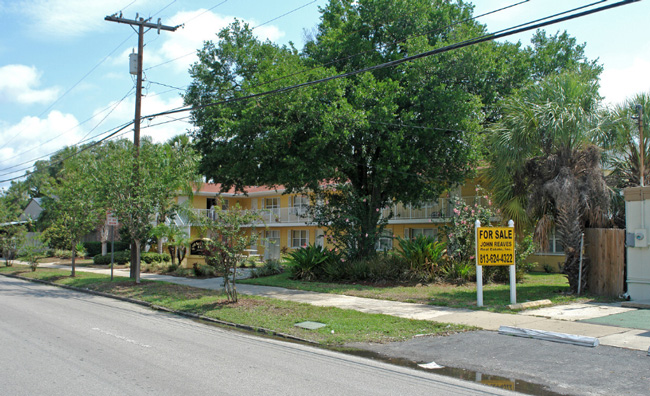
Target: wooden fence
{"x":605,"y":248}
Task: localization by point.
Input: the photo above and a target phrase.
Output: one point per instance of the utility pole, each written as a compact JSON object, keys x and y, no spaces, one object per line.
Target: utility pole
{"x":142,"y":24}
{"x":639,"y":109}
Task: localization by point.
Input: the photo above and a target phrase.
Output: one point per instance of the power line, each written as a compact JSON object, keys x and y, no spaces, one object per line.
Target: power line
{"x":489,"y":37}
{"x":121,"y":128}
{"x":481,"y":39}
{"x":204,"y":12}
{"x":393,"y":43}
{"x":264,"y":23}
{"x":61,"y":134}
{"x":69,"y":89}
{"x":283,"y":15}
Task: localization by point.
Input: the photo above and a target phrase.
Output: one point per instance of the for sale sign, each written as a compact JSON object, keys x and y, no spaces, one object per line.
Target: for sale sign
{"x":495,"y":246}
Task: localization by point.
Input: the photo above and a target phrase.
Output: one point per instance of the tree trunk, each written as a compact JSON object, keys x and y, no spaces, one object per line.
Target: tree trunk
{"x":172,"y":253}
{"x":74,"y":251}
{"x":103,"y":237}
{"x":136,"y":265}
{"x":133,"y":259}
{"x":160,"y":245}
{"x":569,"y":229}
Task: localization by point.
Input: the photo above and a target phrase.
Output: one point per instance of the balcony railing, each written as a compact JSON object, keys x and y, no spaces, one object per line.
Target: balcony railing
{"x":269,"y":216}
{"x":440,"y":209}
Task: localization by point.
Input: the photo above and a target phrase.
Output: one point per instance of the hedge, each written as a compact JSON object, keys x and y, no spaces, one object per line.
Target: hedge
{"x":155,"y":258}
{"x":118,"y":258}
{"x":95,"y":248}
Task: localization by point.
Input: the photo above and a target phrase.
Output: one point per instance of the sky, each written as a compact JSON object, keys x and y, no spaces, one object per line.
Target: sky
{"x":64,"y":71}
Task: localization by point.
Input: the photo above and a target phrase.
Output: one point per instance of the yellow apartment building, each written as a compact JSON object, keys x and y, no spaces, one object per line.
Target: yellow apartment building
{"x":287,"y":224}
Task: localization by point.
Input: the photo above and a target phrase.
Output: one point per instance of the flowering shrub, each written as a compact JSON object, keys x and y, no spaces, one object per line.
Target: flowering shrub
{"x":460,"y":231}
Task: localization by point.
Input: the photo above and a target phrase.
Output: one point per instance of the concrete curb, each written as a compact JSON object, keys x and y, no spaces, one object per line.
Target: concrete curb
{"x":190,"y":315}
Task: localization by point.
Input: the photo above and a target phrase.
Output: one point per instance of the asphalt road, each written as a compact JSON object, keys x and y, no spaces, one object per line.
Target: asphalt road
{"x":60,"y":342}
{"x":561,"y":368}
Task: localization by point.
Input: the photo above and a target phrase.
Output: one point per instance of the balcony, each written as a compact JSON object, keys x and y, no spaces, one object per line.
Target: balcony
{"x":438,"y":211}
{"x":270,"y":216}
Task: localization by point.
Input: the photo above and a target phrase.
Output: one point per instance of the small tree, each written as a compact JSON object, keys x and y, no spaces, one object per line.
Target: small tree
{"x":75,"y":208}
{"x":11,"y":237}
{"x":229,"y":234}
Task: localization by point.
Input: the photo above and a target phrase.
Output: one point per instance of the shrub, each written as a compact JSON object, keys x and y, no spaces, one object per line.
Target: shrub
{"x":81,"y":250}
{"x":307,"y":263}
{"x":119,"y":258}
{"x":180,"y":271}
{"x":423,"y":254}
{"x":271,"y":267}
{"x":383,"y":267}
{"x":149,"y":258}
{"x":62,"y":253}
{"x":459,"y":272}
{"x":204,"y":270}
{"x":460,"y":231}
{"x":95,"y":248}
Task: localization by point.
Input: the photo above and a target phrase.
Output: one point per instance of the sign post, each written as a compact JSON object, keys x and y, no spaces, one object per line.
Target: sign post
{"x":111,"y":220}
{"x":495,"y":246}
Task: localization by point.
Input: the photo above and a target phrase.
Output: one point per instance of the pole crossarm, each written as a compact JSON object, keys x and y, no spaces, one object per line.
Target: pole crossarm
{"x":142,"y":22}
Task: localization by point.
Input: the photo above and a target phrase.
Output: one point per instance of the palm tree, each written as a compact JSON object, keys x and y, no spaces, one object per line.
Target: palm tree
{"x":545,"y":168}
{"x":622,"y":149}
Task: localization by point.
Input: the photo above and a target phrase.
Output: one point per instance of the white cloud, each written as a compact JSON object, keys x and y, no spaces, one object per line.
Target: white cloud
{"x":160,"y":129}
{"x":18,"y":84}
{"x":67,"y":18}
{"x":200,"y":25}
{"x":29,"y":139}
{"x":22,"y":137}
{"x":618,"y":84}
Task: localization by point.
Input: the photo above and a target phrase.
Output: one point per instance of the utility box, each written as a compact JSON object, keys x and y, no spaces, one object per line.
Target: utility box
{"x":133,"y":63}
{"x":637,"y":223}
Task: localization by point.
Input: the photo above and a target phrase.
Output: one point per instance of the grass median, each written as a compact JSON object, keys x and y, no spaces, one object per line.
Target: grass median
{"x":342,"y":326}
{"x":496,"y":297}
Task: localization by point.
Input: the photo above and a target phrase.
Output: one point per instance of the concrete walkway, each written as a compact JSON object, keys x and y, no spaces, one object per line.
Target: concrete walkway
{"x":561,"y":319}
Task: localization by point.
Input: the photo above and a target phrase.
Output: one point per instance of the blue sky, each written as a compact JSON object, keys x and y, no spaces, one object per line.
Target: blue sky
{"x":64,"y":73}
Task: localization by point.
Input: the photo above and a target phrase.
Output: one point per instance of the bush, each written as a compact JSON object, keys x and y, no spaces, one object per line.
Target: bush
{"x":383,"y":267}
{"x":81,"y":250}
{"x":119,"y":258}
{"x":95,"y":248}
{"x":271,"y":267}
{"x":155,"y":257}
{"x":62,"y":253}
{"x":308,"y":263}
{"x":459,"y":272}
{"x":204,"y":270}
{"x":423,"y":254}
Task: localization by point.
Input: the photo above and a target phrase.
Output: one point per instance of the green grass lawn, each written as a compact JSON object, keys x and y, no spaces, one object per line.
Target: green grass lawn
{"x":496,"y":297}
{"x":342,"y":326}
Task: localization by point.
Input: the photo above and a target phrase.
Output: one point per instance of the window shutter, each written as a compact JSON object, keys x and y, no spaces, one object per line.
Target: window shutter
{"x":407,"y":233}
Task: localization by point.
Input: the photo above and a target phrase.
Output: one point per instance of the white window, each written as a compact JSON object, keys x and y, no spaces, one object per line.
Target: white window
{"x":385,"y":241}
{"x":430,"y":232}
{"x":554,"y":244}
{"x":225,"y":204}
{"x":300,"y":203}
{"x":271,"y":203}
{"x":299,"y":238}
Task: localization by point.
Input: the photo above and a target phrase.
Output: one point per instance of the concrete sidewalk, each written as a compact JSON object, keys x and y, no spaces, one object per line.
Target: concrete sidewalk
{"x":561,"y":319}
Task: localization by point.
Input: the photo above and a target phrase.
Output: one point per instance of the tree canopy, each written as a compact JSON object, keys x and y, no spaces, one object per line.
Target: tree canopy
{"x":397,"y":134}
